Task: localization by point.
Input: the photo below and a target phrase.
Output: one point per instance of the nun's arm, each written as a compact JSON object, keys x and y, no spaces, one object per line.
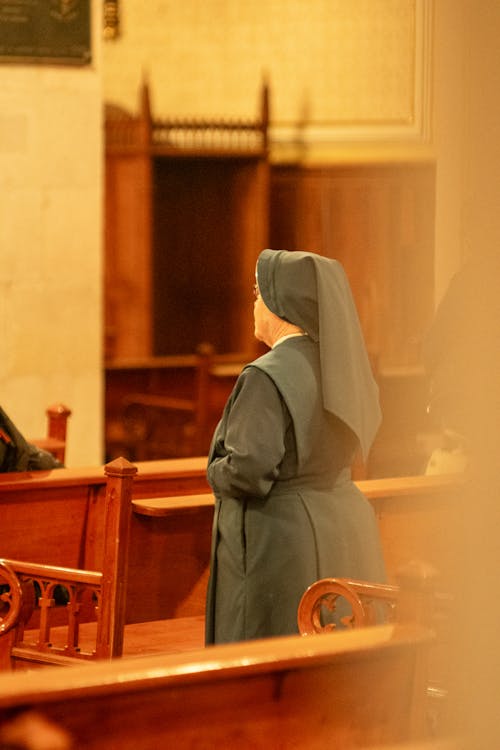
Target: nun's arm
{"x":251,"y":441}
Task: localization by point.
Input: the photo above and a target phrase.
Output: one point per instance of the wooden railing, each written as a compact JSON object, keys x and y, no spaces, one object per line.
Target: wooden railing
{"x":187,"y":135}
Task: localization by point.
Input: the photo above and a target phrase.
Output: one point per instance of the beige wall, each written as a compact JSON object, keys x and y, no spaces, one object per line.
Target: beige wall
{"x":338,"y":71}
{"x":50,"y":244}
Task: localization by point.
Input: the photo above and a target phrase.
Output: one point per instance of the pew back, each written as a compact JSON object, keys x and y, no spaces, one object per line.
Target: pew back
{"x":352,"y":689}
{"x":67,"y":505}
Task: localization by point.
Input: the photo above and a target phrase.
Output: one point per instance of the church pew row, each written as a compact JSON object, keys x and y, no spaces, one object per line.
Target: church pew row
{"x":415,"y":517}
{"x":352,"y":689}
{"x":154,"y":587}
{"x":170,"y":532}
{"x":413,"y":599}
{"x":32,"y":596}
{"x":56,"y":517}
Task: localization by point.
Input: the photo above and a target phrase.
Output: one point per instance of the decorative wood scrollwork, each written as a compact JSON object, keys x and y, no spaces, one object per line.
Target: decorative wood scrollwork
{"x":322,"y":595}
{"x":11,"y":597}
{"x":367,"y":603}
{"x":26,"y":587}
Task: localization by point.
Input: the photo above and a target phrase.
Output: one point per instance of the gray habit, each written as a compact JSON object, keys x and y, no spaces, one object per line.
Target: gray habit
{"x":287,"y":512}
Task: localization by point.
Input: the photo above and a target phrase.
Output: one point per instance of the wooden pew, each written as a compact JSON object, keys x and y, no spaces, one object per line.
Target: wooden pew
{"x":97,"y":595}
{"x":155,"y":478}
{"x":352,"y":689}
{"x":412,"y":513}
{"x":67,"y":504}
{"x":413,"y":599}
{"x":418,"y":519}
{"x":57,"y":427}
{"x":170,"y":546}
{"x":167,"y":406}
{"x":170,"y":536}
{"x":32,"y":587}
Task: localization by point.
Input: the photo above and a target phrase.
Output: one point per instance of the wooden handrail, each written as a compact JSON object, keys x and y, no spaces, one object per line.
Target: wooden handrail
{"x":56,"y":573}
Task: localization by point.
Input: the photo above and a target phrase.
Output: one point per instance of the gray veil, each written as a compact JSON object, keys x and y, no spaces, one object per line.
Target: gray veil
{"x":313,"y":292}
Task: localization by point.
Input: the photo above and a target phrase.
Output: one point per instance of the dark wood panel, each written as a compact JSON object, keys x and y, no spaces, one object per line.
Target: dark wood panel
{"x":378,"y":221}
{"x":127,"y":262}
{"x":202,"y":253}
{"x":186,"y":214}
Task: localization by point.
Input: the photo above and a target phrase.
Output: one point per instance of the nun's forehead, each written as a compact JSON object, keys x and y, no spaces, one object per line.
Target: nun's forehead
{"x":287,"y":284}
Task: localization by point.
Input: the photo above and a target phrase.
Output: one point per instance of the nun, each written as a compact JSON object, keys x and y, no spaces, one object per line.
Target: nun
{"x":287,"y":511}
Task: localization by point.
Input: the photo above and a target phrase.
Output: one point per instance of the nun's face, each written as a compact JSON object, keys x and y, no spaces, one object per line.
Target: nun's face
{"x":260,"y":315}
{"x":267,"y":325}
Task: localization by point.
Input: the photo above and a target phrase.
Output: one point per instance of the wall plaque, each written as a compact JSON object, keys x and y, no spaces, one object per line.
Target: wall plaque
{"x":45,"y":31}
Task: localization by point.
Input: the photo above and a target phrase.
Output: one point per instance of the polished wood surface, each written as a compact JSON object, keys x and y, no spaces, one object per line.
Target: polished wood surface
{"x":160,"y":477}
{"x":98,"y":595}
{"x":349,"y":690}
{"x":175,"y":636}
{"x":169,"y":553}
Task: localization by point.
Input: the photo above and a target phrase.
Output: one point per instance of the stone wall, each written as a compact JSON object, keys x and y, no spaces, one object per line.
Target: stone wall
{"x":50,"y":247}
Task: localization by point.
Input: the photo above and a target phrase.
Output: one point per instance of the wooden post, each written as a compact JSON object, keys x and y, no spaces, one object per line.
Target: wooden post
{"x":120,"y":476}
{"x":57,"y":427}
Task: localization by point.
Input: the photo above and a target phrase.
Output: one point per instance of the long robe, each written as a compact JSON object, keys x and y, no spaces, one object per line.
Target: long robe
{"x":287,"y":512}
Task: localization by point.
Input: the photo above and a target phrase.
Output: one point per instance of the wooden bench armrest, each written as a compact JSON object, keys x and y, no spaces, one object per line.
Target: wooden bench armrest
{"x":360,"y":596}
{"x":164,"y":506}
{"x":412,"y":600}
{"x":54,"y":572}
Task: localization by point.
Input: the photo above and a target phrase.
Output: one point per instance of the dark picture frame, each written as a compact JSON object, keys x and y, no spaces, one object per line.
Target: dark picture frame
{"x":45,"y":31}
